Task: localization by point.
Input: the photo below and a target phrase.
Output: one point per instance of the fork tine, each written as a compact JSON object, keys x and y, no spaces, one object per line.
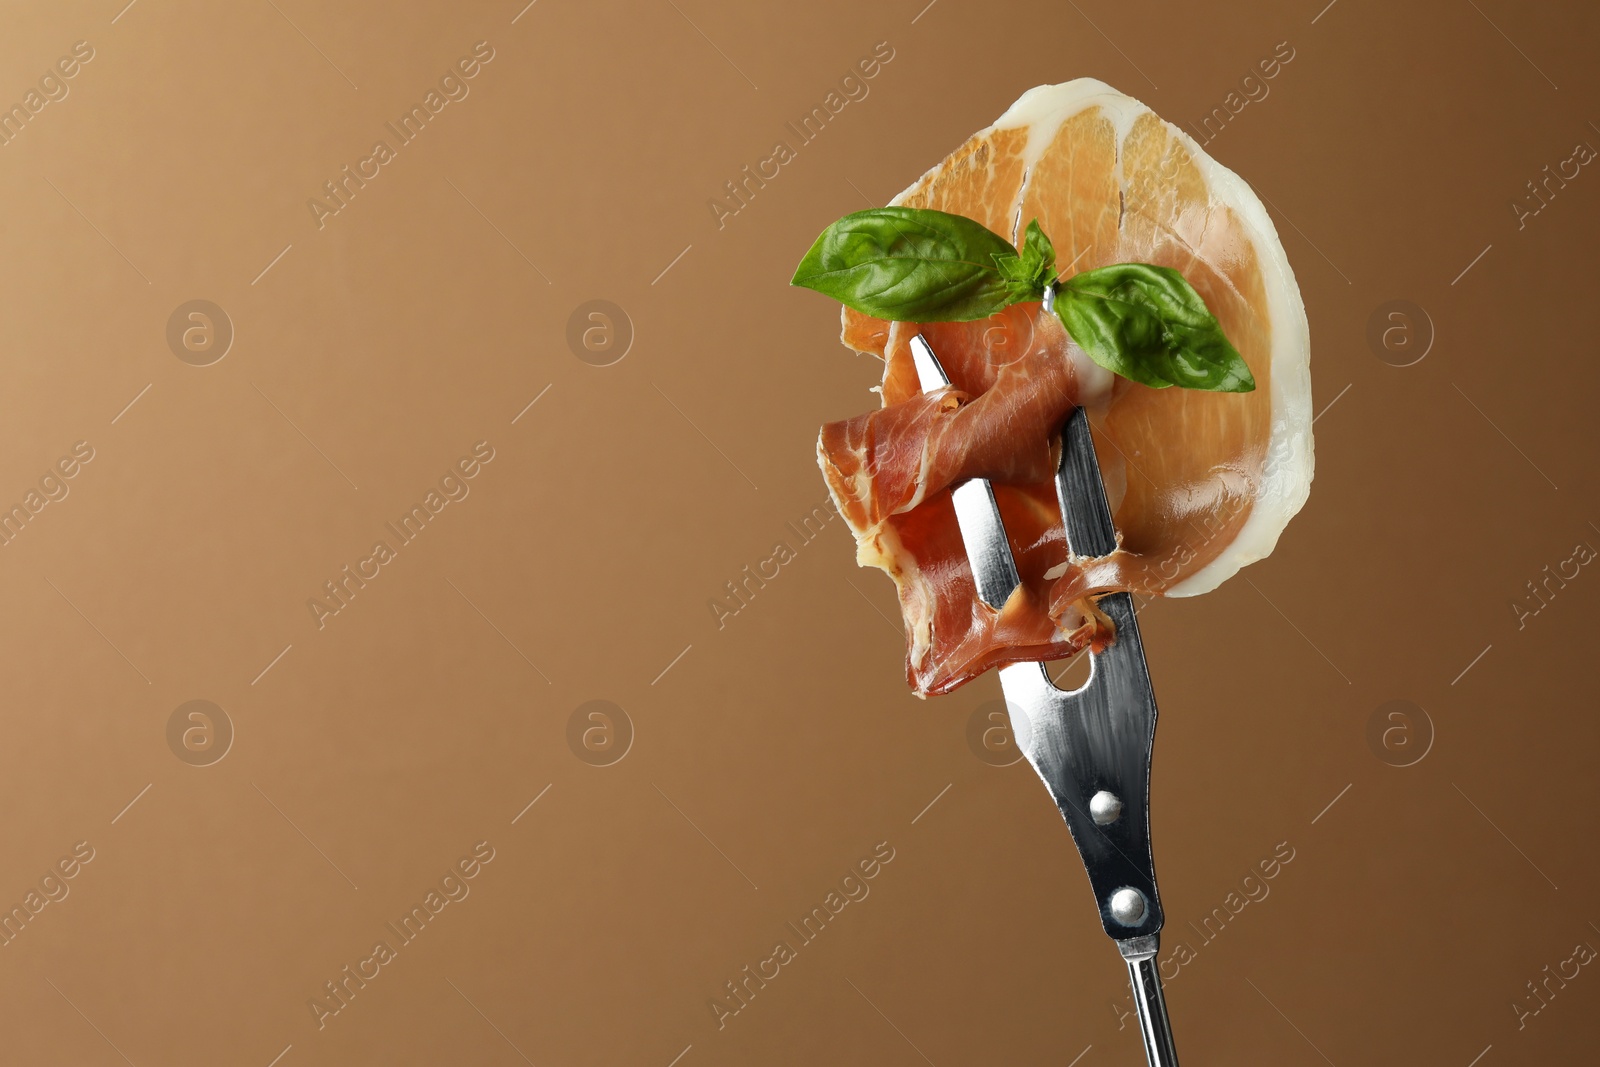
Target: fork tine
{"x":1082,"y":492}
{"x":994,"y":570}
{"x":930,"y":372}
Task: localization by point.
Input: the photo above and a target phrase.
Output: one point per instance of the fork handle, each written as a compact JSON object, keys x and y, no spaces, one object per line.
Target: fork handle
{"x":1150,"y":1005}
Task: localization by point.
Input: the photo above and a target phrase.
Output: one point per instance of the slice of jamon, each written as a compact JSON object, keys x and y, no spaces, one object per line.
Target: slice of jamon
{"x":1200,"y":483}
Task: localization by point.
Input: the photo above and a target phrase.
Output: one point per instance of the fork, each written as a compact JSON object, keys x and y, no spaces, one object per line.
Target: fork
{"x":1091,"y":746}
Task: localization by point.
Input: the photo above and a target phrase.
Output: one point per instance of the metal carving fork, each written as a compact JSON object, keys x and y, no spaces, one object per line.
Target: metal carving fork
{"x":1092,"y":745}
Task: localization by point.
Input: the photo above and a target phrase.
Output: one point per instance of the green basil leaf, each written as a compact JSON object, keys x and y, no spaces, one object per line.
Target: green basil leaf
{"x":1018,"y":278}
{"x":910,"y":265}
{"x":1147,"y":323}
{"x":1028,"y":273}
{"x":1039,"y":253}
{"x":903,"y":264}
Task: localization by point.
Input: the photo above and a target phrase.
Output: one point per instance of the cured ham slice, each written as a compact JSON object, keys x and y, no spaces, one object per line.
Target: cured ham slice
{"x":1200,"y":483}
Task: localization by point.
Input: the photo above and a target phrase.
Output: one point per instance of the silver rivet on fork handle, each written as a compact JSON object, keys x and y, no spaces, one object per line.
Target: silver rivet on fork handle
{"x":1127,"y":906}
{"x":1105,"y":808}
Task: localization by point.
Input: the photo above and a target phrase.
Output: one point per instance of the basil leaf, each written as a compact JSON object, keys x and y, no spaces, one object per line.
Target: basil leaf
{"x":1031,"y":271}
{"x":1039,"y":253}
{"x":910,"y":265}
{"x":1147,"y":323}
{"x":904,"y":264}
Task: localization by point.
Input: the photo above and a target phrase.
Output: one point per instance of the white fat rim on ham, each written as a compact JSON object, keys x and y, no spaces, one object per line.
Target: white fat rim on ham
{"x":1286,"y":478}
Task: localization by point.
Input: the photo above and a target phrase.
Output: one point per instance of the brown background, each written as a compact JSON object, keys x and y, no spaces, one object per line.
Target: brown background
{"x":772,"y":753}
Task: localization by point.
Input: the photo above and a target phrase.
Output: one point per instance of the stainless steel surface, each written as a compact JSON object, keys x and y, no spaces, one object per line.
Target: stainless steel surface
{"x":1095,"y":739}
{"x":1084,"y":508}
{"x":1151,"y":1004}
{"x":977,"y":514}
{"x":1135,"y":947}
{"x":1098,"y":737}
